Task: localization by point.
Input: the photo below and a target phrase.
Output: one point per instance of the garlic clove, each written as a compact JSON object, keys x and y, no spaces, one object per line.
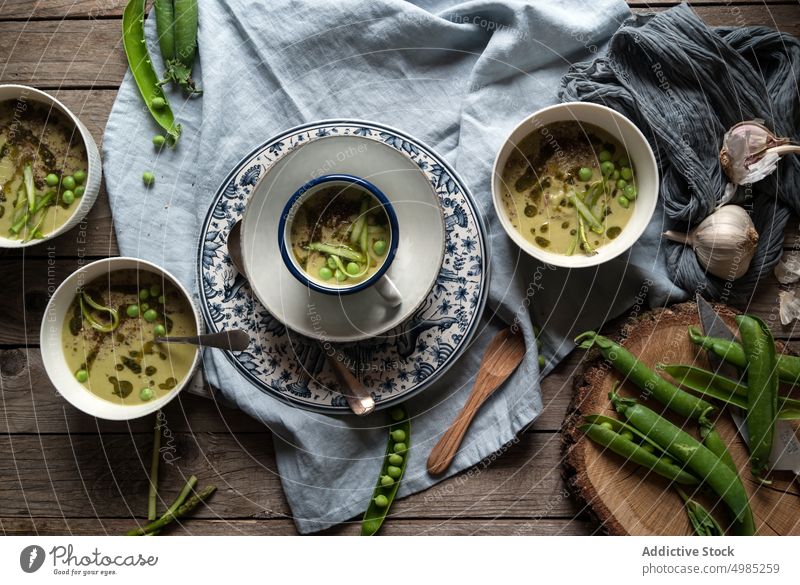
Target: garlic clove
{"x":789,"y":306}
{"x":787,"y":270}
{"x":724,"y":242}
{"x":750,"y":152}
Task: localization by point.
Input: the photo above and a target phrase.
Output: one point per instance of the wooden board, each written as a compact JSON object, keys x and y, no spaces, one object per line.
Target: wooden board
{"x":623,"y":497}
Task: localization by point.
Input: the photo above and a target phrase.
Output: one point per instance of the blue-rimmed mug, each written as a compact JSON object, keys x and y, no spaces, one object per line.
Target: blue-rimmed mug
{"x":382,"y":283}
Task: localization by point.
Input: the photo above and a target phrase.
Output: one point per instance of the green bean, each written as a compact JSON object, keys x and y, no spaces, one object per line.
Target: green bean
{"x":729,"y":391}
{"x":586,"y":213}
{"x":634,"y":452}
{"x":385,"y":492}
{"x":732,"y":352}
{"x":697,"y":458}
{"x":762,"y":393}
{"x":337,"y":250}
{"x":677,"y":400}
{"x":142,"y":68}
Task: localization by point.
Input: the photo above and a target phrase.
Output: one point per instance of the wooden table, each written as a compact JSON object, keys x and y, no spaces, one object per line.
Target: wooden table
{"x":62,"y":472}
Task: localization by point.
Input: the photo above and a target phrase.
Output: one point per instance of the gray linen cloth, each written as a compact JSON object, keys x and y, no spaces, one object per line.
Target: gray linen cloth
{"x":459,"y":76}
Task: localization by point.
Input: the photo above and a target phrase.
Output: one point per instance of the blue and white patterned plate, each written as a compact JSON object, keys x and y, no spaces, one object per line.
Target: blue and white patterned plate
{"x":410,"y":357}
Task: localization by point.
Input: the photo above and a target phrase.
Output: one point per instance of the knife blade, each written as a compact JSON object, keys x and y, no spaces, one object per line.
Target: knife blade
{"x":785,"y":453}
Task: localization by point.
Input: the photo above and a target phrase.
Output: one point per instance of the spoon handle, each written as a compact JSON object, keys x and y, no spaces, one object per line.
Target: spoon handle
{"x":232,"y":339}
{"x":357,"y":395}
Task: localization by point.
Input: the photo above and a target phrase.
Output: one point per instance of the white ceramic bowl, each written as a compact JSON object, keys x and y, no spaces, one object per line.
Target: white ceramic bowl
{"x":639,"y":152}
{"x":53,"y":355}
{"x":93,"y":172}
{"x":416,"y":265}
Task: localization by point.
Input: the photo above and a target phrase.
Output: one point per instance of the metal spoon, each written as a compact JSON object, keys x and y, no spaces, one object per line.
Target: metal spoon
{"x":232,"y":339}
{"x":357,"y":395}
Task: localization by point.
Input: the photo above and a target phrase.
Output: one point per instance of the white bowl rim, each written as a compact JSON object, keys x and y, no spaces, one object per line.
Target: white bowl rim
{"x":108,"y":410}
{"x":88,"y":142}
{"x":561,"y":260}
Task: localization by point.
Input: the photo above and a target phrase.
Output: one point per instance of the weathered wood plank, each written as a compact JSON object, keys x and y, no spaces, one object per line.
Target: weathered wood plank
{"x":31,"y":404}
{"x":106,"y":477}
{"x":42,"y":60}
{"x":58,"y":9}
{"x":275,"y":527}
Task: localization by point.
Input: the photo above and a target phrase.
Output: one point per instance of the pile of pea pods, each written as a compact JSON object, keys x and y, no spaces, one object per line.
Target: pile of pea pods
{"x":646,"y":438}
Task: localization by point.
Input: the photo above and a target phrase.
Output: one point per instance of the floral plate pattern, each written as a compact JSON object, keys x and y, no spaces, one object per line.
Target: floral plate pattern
{"x":394,"y":366}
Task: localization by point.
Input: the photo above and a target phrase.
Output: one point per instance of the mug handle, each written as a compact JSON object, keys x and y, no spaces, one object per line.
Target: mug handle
{"x":387,"y":289}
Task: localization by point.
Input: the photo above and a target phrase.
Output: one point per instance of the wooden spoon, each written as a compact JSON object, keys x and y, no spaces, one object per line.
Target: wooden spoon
{"x":502,"y":356}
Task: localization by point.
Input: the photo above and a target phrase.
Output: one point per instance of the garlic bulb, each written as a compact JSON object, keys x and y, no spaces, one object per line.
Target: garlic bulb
{"x":789,"y":309}
{"x":724,"y":242}
{"x":750,"y":152}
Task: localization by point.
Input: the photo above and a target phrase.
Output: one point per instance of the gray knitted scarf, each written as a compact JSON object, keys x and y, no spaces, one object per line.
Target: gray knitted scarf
{"x":685,"y":84}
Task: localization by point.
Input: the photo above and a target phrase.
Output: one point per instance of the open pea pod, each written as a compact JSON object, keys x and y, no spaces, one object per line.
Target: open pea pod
{"x":384,"y":493}
{"x":143,"y":72}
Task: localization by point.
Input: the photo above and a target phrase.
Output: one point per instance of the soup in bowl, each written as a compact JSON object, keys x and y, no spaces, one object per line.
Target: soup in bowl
{"x":99,"y":338}
{"x":575,"y":184}
{"x":338,"y":235}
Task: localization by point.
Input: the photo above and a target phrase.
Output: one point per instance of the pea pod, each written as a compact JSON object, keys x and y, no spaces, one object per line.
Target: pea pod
{"x":680,"y":402}
{"x":762,"y":393}
{"x":143,"y":72}
{"x":176,"y":23}
{"x":712,"y":439}
{"x":697,"y":458}
{"x":393,"y":469}
{"x":703,"y":523}
{"x":788,"y":366}
{"x":722,"y":388}
{"x":620,"y":426}
{"x":634,"y":452}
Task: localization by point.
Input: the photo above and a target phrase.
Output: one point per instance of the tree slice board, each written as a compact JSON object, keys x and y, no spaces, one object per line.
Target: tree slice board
{"x":628,"y":499}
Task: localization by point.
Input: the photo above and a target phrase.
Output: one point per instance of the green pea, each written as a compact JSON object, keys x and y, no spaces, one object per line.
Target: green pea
{"x":331,"y":263}
{"x":325,"y":273}
{"x":160,"y":330}
{"x":150,"y":315}
{"x":144,"y":306}
{"x":146,"y":394}
{"x":624,"y":162}
{"x":615,"y":175}
{"x":51,"y":179}
{"x":626,"y":435}
{"x":80,"y":190}
{"x":158,"y":141}
{"x":79,"y":176}
{"x":386,"y":481}
{"x":542,"y":361}
{"x":607,"y":425}
{"x":397,"y":414}
{"x":606,"y":168}
{"x":395,"y":459}
{"x":132,"y":311}
{"x":161,"y":299}
{"x":604,"y":156}
{"x":379,"y":247}
{"x":630,"y":191}
{"x":82,"y":376}
{"x":648,"y":447}
{"x":148,"y":178}
{"x":399,"y":435}
{"x":381,"y":501}
{"x":400,"y":448}
{"x":154,"y":290}
{"x":68,"y":182}
{"x":353,"y":268}
{"x":621,"y":183}
{"x":627,"y":173}
{"x":340,"y":276}
{"x":623,"y":201}
{"x":394,"y":472}
{"x":144,"y":294}
{"x":585,"y":174}
{"x":68,"y":197}
{"x":158,"y":103}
